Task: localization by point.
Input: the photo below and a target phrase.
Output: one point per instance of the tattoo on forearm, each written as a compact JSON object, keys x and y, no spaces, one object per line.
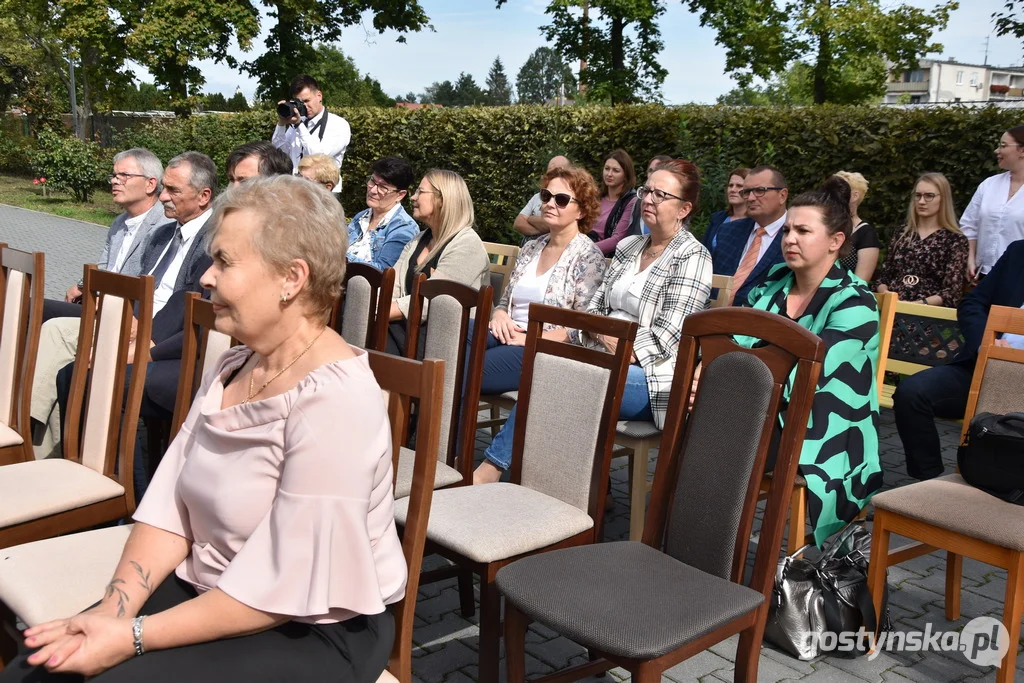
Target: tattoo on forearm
{"x":143,"y":576}
{"x":122,"y":597}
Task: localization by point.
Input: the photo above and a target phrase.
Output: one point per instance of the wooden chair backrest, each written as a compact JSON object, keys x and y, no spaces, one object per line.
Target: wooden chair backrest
{"x":886,"y":318}
{"x":404,"y":379}
{"x":563,"y":467}
{"x":503,"y":260}
{"x":722,"y":284}
{"x":201,"y":348}
{"x":21,"y":317}
{"x":706,"y":337}
{"x":999,"y":370}
{"x":103,"y":438}
{"x":367,"y":327}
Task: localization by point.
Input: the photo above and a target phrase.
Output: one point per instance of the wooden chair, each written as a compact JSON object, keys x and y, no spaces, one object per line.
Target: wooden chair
{"x":201,"y":348}
{"x":949,"y":514}
{"x":637,"y":437}
{"x":21,"y":317}
{"x":921,"y":337}
{"x":92,"y":483}
{"x":445,"y":332}
{"x":361,"y":313}
{"x":562,"y":443}
{"x":503,"y":260}
{"x":648,"y":606}
{"x":404,"y":379}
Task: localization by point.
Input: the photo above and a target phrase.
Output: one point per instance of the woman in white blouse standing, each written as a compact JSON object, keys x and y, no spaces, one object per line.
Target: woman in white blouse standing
{"x":995,"y":216}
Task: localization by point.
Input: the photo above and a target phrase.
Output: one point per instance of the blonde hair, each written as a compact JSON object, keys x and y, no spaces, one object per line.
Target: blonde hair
{"x":282,"y":234}
{"x":324,"y":168}
{"x":453,"y":206}
{"x":947,"y":212}
{"x":856,"y":181}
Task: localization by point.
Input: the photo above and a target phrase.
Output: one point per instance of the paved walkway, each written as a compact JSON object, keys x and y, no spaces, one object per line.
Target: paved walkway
{"x":447,"y":642}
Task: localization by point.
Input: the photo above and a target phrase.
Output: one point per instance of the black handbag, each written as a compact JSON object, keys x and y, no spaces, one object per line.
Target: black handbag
{"x":829,"y":594}
{"x":991,"y":457}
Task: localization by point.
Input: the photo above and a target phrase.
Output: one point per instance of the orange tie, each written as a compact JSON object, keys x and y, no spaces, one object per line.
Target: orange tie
{"x":748,"y":263}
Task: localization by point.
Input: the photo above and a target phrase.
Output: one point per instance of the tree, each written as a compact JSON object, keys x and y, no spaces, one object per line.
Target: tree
{"x":408,"y":97}
{"x":216,"y":102}
{"x":499,"y":90}
{"x":302,"y":23}
{"x":763,"y":39}
{"x":144,"y":97}
{"x":442,"y":93}
{"x":342,"y":84}
{"x":1008,"y":23}
{"x":467,"y":92}
{"x":237,"y":102}
{"x":860,"y":82}
{"x":542,"y":77}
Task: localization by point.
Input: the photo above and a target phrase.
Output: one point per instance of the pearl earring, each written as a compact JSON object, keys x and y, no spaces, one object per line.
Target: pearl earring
{"x":284,"y":297}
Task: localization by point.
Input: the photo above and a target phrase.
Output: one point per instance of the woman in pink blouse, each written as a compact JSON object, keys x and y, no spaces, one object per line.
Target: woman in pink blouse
{"x":618,"y":178}
{"x":273,"y":506}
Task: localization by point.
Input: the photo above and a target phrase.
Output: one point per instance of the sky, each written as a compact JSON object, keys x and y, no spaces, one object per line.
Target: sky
{"x":469,"y":34}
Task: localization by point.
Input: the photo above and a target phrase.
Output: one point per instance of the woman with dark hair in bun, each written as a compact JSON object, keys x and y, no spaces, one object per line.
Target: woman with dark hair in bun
{"x":840,"y":452}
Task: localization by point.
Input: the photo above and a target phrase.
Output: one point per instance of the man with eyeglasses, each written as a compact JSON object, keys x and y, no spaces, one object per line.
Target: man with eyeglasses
{"x":313,"y":131}
{"x":135,"y":187}
{"x":747,"y":248}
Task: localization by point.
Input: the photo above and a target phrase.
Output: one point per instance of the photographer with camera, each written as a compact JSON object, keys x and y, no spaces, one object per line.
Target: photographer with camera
{"x":305,"y":127}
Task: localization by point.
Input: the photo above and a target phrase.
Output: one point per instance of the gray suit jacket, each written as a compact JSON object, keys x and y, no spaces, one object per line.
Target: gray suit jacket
{"x":154,"y":219}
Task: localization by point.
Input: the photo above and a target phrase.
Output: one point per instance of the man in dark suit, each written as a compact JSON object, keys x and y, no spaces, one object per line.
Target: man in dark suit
{"x":747,"y":248}
{"x":942,"y":391}
{"x":134,"y":187}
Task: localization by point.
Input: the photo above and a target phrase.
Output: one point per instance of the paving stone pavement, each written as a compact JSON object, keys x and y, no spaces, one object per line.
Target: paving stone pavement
{"x":446,"y":642}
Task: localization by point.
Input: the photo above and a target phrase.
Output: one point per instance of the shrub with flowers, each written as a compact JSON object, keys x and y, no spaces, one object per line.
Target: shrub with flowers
{"x":66,"y":164}
{"x":42,"y":183}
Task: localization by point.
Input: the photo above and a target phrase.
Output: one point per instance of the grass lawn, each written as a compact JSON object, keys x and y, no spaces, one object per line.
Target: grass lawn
{"x":19,"y":191}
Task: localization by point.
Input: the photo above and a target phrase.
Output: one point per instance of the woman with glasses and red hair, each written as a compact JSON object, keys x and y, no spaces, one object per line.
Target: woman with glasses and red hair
{"x":561,"y":268}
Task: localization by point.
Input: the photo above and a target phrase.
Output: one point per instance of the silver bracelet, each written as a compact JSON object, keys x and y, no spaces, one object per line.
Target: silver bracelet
{"x":137,"y":635}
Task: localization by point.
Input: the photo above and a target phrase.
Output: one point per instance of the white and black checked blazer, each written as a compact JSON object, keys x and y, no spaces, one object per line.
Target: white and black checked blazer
{"x":679,"y":284}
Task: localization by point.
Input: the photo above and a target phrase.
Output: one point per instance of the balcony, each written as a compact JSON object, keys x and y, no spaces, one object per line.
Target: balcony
{"x":916,"y":87}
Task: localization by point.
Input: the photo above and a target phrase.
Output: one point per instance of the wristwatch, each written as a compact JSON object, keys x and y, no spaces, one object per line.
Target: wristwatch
{"x":137,"y":635}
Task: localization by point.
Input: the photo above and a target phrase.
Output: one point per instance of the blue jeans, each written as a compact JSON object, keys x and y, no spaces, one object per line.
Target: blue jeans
{"x":503,"y":364}
{"x":636,"y":405}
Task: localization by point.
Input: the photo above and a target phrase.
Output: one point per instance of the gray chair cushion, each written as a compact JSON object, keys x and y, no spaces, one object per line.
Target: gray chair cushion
{"x":490,"y":522}
{"x":444,"y":340}
{"x":951,"y":503}
{"x":625,"y":599}
{"x":443,"y":475}
{"x":356,"y":315}
{"x":1000,"y":388}
{"x":634,"y":429}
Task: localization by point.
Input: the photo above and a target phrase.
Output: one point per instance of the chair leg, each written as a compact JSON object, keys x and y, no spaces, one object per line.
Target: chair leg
{"x":797,"y":519}
{"x":495,"y":415}
{"x":954,"y":570}
{"x":490,"y":631}
{"x":467,"y":602}
{"x":645,"y":672}
{"x":516,"y":624}
{"x":879,"y":562}
{"x":748,"y":651}
{"x":638,"y":463}
{"x":1012,"y":612}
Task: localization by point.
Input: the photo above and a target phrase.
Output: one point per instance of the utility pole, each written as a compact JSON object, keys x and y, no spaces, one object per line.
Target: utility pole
{"x":74,"y":98}
{"x":583,"y":59}
{"x":986,"y":50}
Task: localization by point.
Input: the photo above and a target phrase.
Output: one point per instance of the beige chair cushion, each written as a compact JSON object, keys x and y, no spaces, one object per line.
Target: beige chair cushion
{"x":491,"y":522}
{"x":953,"y":504}
{"x":9,"y":437}
{"x":30,"y":490}
{"x":60,"y":577}
{"x":443,"y":475}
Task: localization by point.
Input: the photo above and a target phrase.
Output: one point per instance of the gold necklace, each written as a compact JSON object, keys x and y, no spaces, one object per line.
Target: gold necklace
{"x":253,"y":394}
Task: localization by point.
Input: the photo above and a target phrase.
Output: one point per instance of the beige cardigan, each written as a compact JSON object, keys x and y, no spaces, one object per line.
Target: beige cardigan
{"x":464,"y":260}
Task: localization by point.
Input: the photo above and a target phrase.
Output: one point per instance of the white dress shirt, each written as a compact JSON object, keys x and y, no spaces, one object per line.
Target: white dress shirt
{"x":766,"y":242}
{"x":131,"y":229}
{"x":994,"y":219}
{"x":162,"y":290}
{"x":298,"y":141}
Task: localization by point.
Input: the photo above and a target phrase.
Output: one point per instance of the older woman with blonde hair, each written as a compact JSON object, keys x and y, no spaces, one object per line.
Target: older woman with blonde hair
{"x":448,"y":248}
{"x":864,"y":246}
{"x":320,"y":169}
{"x":281,"y":537}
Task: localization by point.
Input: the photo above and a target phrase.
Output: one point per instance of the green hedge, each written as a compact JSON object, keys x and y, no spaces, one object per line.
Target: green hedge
{"x":500,"y":151}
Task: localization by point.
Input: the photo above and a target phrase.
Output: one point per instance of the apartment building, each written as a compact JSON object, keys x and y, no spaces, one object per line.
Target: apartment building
{"x":952,"y":81}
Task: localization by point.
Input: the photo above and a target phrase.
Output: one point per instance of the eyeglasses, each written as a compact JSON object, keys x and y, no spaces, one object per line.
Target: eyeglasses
{"x":757,"y":191}
{"x":382,"y":190}
{"x":432,"y":190}
{"x":123,"y":177}
{"x":657,"y":196}
{"x":1003,"y":145}
{"x":561,"y":199}
{"x":927,"y":196}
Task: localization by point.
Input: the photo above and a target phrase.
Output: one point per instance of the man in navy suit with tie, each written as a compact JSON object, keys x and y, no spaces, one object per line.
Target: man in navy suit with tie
{"x":747,"y":248}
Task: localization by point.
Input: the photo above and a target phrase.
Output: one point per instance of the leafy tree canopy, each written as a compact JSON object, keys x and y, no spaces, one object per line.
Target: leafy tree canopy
{"x":542,"y":77}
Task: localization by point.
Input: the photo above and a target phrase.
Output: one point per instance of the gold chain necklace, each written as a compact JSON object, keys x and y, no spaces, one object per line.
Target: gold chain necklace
{"x":252,"y":374}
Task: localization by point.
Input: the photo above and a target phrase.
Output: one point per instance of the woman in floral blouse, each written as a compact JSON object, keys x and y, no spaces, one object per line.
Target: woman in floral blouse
{"x":562,"y":268}
{"x":927,"y":260}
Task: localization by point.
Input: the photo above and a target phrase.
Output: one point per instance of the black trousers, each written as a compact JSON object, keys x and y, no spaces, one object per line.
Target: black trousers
{"x":352,"y":651}
{"x":919,"y":399}
{"x":60,"y":309}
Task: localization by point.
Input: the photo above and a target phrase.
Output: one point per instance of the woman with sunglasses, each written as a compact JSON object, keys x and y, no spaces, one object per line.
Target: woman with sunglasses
{"x":378,"y":234}
{"x":656,"y":280}
{"x":448,"y":248}
{"x":560,"y":268}
{"x":927,"y":260}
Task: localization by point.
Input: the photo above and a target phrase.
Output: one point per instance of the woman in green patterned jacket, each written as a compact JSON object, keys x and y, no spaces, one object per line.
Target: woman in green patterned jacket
{"x":839,"y":459}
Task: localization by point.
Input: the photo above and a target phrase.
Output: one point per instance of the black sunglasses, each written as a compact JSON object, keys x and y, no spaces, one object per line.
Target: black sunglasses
{"x":561,"y":199}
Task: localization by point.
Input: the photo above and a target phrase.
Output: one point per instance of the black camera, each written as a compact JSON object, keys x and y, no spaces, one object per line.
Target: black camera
{"x":286,"y":110}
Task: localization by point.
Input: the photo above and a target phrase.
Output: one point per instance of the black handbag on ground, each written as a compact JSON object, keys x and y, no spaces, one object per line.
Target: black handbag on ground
{"x":991,"y":457}
{"x":826,"y":595}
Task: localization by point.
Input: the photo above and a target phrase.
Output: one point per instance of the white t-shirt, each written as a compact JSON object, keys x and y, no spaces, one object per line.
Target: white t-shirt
{"x":626,"y":293}
{"x":994,"y":219}
{"x":529,"y":289}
